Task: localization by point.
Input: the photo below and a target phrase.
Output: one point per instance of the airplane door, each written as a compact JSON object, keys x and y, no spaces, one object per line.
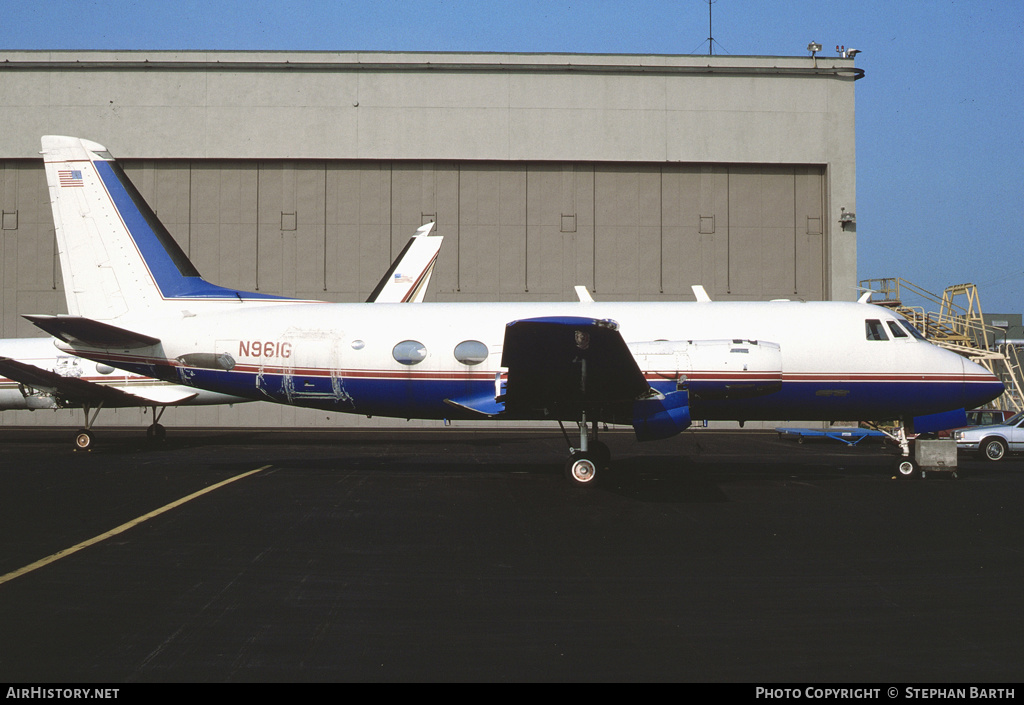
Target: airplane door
{"x":311,"y":369}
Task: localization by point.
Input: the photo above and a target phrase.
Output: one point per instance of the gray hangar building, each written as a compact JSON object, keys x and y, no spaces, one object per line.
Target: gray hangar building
{"x":305,"y":173}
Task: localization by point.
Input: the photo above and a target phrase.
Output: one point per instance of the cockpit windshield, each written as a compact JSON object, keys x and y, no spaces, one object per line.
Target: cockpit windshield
{"x":890,"y":329}
{"x":896,"y":330}
{"x":912,"y":329}
{"x":873,"y":330}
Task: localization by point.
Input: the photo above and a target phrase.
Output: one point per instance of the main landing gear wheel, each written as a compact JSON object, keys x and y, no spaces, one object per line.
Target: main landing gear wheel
{"x":156,"y":432}
{"x":582,"y":469}
{"x":83,"y":439}
{"x":585,"y":466}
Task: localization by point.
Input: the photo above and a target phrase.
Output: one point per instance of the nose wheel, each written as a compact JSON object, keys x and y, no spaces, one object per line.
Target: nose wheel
{"x":907,"y":469}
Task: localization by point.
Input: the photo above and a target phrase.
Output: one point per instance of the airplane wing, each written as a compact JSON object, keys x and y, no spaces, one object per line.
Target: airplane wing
{"x":406,"y":281}
{"x":80,"y":391}
{"x":559,"y":366}
{"x":569,"y":362}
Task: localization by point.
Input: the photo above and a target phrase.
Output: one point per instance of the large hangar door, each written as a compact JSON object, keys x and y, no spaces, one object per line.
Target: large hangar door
{"x":743,"y":232}
{"x":524,"y":232}
{"x":513,"y":230}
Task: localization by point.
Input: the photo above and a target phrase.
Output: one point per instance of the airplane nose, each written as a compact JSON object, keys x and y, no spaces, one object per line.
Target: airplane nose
{"x":980,"y":385}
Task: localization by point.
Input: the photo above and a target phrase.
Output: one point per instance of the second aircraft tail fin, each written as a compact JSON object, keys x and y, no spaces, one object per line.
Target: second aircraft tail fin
{"x":407,"y":280}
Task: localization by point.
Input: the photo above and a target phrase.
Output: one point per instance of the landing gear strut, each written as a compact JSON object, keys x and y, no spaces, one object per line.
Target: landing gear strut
{"x":84,"y":437}
{"x":590,"y":460}
{"x":906,"y":466}
{"x":156,"y":432}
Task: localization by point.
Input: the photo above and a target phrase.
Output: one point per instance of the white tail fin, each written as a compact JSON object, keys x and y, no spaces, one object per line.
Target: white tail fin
{"x":117,"y":259}
{"x":406,"y":281}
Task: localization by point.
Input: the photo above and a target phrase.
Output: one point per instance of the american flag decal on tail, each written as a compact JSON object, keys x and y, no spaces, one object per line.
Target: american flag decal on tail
{"x":70,"y":177}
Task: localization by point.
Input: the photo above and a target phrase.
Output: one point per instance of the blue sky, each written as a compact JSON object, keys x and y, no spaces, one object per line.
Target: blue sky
{"x":940,"y":134}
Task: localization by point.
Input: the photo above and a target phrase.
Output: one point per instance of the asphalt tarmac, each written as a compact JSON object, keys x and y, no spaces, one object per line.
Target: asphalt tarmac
{"x":467,"y":556}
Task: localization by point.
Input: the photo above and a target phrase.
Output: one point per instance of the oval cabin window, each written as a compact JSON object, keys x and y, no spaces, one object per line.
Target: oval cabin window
{"x":409,"y":352}
{"x":470,"y":352}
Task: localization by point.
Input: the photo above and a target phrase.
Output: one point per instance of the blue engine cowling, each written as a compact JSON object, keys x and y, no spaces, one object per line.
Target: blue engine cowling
{"x":654,"y":419}
{"x":938,"y":422}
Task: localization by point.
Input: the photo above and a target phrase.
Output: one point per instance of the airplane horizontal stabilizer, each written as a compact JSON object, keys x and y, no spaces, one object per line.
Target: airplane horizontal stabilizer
{"x":79,"y":391}
{"x":76,"y":330}
{"x":568,"y":360}
{"x":161,"y":394}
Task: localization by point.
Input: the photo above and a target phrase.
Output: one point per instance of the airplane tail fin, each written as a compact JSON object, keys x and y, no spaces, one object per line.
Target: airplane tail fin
{"x":117,"y":258}
{"x":407,"y":280}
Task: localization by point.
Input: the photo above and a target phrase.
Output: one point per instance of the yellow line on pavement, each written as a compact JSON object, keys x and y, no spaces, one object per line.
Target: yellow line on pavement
{"x":124,"y":527}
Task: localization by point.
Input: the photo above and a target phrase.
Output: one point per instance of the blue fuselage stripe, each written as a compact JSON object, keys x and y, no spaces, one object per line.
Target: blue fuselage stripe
{"x":424,"y":398}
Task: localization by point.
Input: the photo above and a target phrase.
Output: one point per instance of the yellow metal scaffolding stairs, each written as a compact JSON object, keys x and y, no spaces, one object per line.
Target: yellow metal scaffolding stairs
{"x":959,"y":327}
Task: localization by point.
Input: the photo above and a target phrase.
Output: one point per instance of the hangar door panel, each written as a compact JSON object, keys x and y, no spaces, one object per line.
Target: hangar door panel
{"x":627,"y":231}
{"x":695,"y":226}
{"x":290,"y":243}
{"x":491,"y":237}
{"x":810,"y":233}
{"x":551,"y":231}
{"x":223,"y":222}
{"x":769,"y":212}
{"x":423,"y":192}
{"x":358,"y":226}
{"x":30,"y":277}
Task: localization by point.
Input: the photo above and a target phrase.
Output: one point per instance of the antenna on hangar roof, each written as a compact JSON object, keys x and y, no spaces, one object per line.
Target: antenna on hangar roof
{"x":711,"y":35}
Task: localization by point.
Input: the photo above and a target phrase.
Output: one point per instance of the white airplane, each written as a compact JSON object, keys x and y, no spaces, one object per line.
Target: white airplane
{"x":137,"y":305}
{"x":35,"y":375}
